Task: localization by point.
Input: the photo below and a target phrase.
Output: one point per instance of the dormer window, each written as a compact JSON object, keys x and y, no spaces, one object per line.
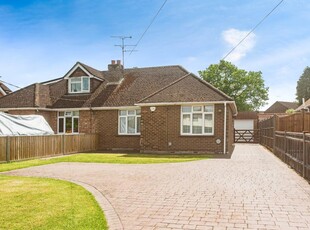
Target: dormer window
{"x":79,"y":85}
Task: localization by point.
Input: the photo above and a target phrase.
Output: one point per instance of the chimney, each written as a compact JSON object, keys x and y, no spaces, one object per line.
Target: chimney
{"x":115,"y":65}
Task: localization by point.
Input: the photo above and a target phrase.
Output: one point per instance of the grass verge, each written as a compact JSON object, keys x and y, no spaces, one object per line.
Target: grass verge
{"x":104,"y":158}
{"x":37,"y":203}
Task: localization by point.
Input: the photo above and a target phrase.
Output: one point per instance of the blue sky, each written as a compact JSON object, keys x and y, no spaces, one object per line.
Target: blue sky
{"x":41,"y":40}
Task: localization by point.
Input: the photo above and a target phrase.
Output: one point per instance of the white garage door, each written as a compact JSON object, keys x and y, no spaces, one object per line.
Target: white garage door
{"x":244,"y":124}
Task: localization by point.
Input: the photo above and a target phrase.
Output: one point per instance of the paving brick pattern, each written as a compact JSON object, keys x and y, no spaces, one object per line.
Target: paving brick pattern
{"x":252,"y":190}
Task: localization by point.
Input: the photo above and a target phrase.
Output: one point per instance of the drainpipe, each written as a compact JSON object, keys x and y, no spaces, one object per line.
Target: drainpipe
{"x":225,"y":124}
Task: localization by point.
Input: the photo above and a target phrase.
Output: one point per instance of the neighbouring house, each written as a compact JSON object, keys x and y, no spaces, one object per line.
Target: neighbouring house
{"x":305,"y":106}
{"x":278,"y":108}
{"x":154,"y":109}
{"x":4,"y":90}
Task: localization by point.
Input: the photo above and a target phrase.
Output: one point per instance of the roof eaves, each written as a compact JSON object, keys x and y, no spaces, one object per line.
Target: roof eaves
{"x":6,"y":89}
{"x":85,"y":69}
{"x":51,"y":81}
{"x":2,"y":91}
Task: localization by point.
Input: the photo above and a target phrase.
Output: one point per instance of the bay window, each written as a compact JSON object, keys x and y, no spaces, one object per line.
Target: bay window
{"x":68,"y":122}
{"x":197,"y":120}
{"x":129,"y":121}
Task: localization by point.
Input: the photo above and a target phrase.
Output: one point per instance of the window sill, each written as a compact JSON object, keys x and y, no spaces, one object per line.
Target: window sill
{"x":68,"y":133}
{"x":197,"y":135}
{"x":131,"y":134}
{"x":74,"y":93}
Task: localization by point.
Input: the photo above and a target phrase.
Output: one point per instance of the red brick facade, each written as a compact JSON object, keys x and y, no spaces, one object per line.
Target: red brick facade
{"x":106,"y":124}
{"x":160,"y":130}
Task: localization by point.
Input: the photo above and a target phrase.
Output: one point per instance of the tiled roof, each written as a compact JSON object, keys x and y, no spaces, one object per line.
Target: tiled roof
{"x":247,"y":115}
{"x":138,"y":83}
{"x":71,"y":101}
{"x":281,"y":107}
{"x":93,"y":71}
{"x":289,"y":105}
{"x":103,"y":95}
{"x":24,"y":97}
{"x":145,"y":85}
{"x":188,"y":88}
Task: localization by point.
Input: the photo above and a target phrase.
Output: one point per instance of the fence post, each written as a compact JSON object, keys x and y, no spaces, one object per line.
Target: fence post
{"x":7,"y":154}
{"x":285,"y":147}
{"x":63,"y":144}
{"x":304,"y":162}
{"x":274,"y":134}
{"x":302,"y":120}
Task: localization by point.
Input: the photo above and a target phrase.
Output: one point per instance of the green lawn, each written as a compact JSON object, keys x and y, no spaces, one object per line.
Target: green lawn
{"x":37,"y":203}
{"x":104,"y":158}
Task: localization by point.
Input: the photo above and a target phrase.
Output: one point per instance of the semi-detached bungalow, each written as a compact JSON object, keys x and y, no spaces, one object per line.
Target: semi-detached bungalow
{"x":154,"y":109}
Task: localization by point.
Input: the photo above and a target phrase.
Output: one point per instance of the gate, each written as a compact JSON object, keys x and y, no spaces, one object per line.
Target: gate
{"x":246,"y":135}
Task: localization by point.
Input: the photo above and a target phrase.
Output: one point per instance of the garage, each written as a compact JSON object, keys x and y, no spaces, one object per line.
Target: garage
{"x":245,"y":127}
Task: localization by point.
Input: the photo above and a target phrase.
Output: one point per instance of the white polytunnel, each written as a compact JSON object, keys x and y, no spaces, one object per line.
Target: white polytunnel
{"x":23,"y":125}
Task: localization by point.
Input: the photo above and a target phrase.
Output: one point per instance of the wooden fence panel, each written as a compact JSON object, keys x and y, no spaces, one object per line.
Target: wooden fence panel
{"x":307,"y":157}
{"x":307,"y":122}
{"x":80,"y":143}
{"x":288,"y":139}
{"x":89,"y":143}
{"x":2,"y":149}
{"x":28,"y":147}
{"x":297,"y":122}
{"x":266,"y":131}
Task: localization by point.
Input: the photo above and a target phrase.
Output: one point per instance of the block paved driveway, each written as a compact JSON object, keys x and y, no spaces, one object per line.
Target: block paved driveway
{"x":252,"y":190}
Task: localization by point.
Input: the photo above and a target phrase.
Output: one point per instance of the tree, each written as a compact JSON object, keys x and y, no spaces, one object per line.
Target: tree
{"x":303,"y":86}
{"x":290,"y":111}
{"x":246,"y":88}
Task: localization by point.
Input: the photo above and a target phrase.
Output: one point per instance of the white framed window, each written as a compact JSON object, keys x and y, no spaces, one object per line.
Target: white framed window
{"x":79,"y":84}
{"x":197,"y":120}
{"x":129,"y":122}
{"x":68,"y":122}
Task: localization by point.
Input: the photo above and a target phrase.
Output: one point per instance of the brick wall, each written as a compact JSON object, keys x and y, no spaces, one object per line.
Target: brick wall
{"x":162,"y":126}
{"x":53,"y":116}
{"x":158,"y":129}
{"x":78,"y":73}
{"x":106,"y":124}
{"x":85,"y":121}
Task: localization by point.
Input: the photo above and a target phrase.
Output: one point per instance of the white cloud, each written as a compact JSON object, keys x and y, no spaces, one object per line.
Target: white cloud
{"x":232,"y":37}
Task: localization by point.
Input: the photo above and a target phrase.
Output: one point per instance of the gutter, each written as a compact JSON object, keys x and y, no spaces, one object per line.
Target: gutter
{"x":184,"y":103}
{"x":137,"y":105}
{"x":225,"y":126}
{"x":71,"y":109}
